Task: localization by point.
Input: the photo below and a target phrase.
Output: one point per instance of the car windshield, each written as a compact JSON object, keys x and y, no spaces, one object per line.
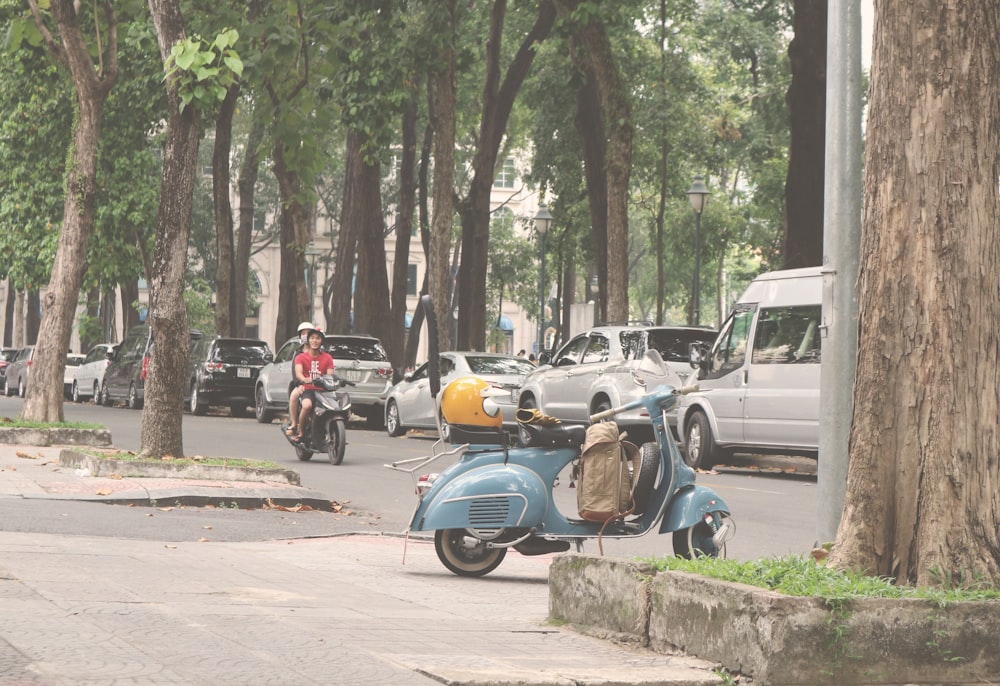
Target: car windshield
{"x":672,"y":344}
{"x":235,"y":352}
{"x":74,"y":361}
{"x":365,"y":349}
{"x":484,"y":364}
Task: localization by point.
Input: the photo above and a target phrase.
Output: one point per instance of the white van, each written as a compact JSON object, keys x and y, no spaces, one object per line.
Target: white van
{"x":759,"y":384}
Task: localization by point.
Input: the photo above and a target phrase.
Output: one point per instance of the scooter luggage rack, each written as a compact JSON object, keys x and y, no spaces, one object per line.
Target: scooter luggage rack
{"x":424,"y":460}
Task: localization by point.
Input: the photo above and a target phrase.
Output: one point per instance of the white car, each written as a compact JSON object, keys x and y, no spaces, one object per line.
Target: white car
{"x":73,"y":360}
{"x":87,"y":378}
{"x":409,"y":404}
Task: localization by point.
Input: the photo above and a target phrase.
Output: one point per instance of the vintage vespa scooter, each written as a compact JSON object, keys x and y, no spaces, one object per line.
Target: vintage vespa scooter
{"x":494,"y":498}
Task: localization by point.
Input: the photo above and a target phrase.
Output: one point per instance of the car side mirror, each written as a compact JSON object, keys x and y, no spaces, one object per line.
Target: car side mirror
{"x":269,"y":356}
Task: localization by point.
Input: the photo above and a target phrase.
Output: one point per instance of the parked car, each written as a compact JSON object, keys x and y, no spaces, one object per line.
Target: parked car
{"x":223,"y":371}
{"x":357,"y":358}
{"x":125,"y":377}
{"x":89,"y":375}
{"x":16,"y":377}
{"x":409,"y":404}
{"x":6,"y":355}
{"x":73,"y":362}
{"x":601,"y":368}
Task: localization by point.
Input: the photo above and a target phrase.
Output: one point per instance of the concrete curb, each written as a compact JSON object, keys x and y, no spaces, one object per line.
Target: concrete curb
{"x":55,"y":436}
{"x":775,"y":638}
{"x":106,"y":466}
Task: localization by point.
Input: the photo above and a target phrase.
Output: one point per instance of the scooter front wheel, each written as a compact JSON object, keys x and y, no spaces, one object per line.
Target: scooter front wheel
{"x":697,"y":541}
{"x":336,"y":440}
{"x":466,"y":555}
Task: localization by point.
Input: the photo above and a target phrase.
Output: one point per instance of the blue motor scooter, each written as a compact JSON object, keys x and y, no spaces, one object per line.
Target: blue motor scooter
{"x":494,"y":498}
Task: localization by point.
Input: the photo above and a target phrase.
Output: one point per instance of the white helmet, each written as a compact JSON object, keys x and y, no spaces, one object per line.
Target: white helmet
{"x":305,"y":326}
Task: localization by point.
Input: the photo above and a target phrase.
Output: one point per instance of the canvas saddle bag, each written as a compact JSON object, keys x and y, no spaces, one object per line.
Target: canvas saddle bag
{"x":605,"y":478}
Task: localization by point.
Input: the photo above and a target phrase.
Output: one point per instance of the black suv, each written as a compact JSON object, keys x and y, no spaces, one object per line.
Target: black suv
{"x":223,"y":371}
{"x":125,"y":377}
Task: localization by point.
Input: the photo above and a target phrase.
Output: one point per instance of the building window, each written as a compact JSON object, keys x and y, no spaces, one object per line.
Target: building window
{"x":507,"y":174}
{"x":411,"y":279}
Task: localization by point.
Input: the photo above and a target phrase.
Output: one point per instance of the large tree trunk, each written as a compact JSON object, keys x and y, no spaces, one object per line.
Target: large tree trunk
{"x":423,"y":221}
{"x":371,"y":302}
{"x":443,"y":116}
{"x":341,"y":292}
{"x":8,"y":315}
{"x":224,"y":282}
{"x":44,"y":401}
{"x":246,"y":185}
{"x":922,"y":502}
{"x":498,"y":101}
{"x":293,"y":301}
{"x":161,"y":418}
{"x":806,"y":100}
{"x":404,"y":230}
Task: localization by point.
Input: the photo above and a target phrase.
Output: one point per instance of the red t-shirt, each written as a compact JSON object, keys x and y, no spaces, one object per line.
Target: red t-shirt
{"x":313,"y":367}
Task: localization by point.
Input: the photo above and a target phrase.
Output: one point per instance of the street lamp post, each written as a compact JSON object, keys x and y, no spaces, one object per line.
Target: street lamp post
{"x":698,"y":195}
{"x":543,"y":219}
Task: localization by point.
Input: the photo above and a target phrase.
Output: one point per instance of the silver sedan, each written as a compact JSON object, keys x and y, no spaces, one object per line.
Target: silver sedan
{"x":409,"y":405}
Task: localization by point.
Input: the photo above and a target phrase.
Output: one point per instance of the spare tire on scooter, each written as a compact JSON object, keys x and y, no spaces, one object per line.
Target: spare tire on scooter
{"x":645,"y":480}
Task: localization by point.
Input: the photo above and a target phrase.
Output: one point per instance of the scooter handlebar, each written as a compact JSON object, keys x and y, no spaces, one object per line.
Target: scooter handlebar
{"x":598,"y":416}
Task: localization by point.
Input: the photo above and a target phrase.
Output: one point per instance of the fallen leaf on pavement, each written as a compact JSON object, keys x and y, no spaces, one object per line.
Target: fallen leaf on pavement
{"x":203,"y":540}
{"x":164,"y":509}
{"x":206,"y":527}
{"x":27,"y":456}
{"x":115,"y":476}
{"x":169,"y":545}
{"x":104,"y":491}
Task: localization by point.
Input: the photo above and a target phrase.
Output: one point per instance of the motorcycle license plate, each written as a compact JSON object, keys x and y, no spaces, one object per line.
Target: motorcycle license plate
{"x":243,"y":372}
{"x":353,"y":374}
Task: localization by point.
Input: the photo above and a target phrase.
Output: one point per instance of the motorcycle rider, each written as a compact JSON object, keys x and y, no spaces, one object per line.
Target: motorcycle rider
{"x":312,"y":363}
{"x":293,"y":398}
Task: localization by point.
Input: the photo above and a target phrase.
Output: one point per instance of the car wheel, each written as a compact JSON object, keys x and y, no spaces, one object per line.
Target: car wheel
{"x":75,"y":395}
{"x":6,"y":388}
{"x":132,"y":401}
{"x":105,"y":395}
{"x":393,"y":426}
{"x":603,"y":405}
{"x":528,"y":403}
{"x":20,"y":388}
{"x":263,"y":414}
{"x":97,"y":394}
{"x":196,"y":407}
{"x":699,"y":446}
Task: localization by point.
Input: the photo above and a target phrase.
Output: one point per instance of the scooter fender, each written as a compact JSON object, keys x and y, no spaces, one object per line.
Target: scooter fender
{"x":489,"y":497}
{"x":689,"y":506}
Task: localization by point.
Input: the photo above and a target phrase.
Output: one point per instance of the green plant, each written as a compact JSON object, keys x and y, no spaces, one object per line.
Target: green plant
{"x":8,"y":423}
{"x":728,"y":679}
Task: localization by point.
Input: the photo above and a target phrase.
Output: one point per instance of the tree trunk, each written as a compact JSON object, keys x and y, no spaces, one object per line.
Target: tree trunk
{"x":246,"y":185}
{"x":8,"y":315}
{"x":498,"y":101}
{"x":922,"y":503}
{"x":404,"y":230}
{"x":161,"y":418}
{"x":413,"y":341}
{"x":224,"y":281}
{"x":44,"y":400}
{"x":293,"y":302}
{"x":342,"y":291}
{"x":443,"y":116}
{"x":371,"y":303}
{"x":806,"y":100}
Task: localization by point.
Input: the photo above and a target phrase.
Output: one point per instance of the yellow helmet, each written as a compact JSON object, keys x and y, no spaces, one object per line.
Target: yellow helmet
{"x":464,"y":403}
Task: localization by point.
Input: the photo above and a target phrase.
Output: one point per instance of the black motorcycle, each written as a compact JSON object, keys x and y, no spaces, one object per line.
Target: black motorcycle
{"x":326,"y":425}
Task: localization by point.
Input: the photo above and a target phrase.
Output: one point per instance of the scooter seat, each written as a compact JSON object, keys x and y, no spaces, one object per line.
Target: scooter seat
{"x":558,"y":436}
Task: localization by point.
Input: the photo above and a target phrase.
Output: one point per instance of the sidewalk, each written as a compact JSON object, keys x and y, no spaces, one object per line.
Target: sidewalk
{"x":348,"y":609}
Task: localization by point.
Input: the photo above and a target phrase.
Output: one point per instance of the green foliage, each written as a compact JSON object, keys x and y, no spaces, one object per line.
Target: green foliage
{"x":803,"y":576}
{"x":204,"y":71}
{"x":198,"y":303}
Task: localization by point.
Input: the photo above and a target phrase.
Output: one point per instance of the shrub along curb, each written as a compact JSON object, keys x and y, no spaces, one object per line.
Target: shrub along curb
{"x":778,"y":639}
{"x":55,"y":436}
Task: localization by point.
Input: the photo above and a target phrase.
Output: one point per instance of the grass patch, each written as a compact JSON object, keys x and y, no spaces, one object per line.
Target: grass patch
{"x":8,"y":423}
{"x":802,"y":576}
{"x":129,"y":456}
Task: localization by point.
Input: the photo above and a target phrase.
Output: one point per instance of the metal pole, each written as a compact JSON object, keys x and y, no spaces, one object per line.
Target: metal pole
{"x":841,"y":245}
{"x":697,"y":268}
{"x":541,"y":300}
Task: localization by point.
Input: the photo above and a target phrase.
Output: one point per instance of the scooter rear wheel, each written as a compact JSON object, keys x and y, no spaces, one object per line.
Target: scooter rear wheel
{"x":303,"y":453}
{"x":696,"y":541}
{"x":466,"y":555}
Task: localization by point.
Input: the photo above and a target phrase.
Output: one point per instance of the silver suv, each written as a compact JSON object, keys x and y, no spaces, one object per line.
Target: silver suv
{"x":600,"y":369}
{"x":357,"y":358}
